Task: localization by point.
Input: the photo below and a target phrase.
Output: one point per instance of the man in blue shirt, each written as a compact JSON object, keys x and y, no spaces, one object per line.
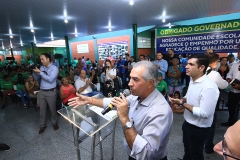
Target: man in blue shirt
{"x":120,"y":67}
{"x":55,"y":62}
{"x":161,"y":64}
{"x":47,"y":94}
{"x":183,"y":63}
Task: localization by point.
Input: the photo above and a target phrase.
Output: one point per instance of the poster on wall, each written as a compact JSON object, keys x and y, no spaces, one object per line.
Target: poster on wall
{"x":221,"y":37}
{"x":82,"y":48}
{"x":112,"y":49}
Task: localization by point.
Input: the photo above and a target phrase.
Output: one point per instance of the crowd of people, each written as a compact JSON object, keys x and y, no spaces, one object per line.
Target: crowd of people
{"x":186,"y":83}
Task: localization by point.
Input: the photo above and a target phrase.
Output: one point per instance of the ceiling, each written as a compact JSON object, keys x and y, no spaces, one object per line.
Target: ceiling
{"x":93,"y":16}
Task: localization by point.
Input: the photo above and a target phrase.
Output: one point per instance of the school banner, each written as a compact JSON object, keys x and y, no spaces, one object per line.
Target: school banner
{"x":222,"y":37}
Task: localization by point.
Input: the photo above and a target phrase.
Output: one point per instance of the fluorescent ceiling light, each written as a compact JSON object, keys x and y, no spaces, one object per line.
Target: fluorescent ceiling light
{"x":65,"y":13}
{"x":34,"y":39}
{"x":164,"y":14}
{"x":11,"y":44}
{"x":56,"y":43}
{"x":131,"y":2}
{"x":21,"y":41}
{"x":75,"y":32}
{"x":163,"y":20}
{"x":65,"y":21}
{"x":3,"y":46}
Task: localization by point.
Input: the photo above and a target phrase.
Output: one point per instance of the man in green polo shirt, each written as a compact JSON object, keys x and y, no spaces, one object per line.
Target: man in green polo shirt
{"x":7,"y":88}
{"x":75,"y":62}
{"x":15,"y":77}
{"x":30,"y":62}
{"x":23,"y":61}
{"x":2,"y":73}
{"x":162,"y":85}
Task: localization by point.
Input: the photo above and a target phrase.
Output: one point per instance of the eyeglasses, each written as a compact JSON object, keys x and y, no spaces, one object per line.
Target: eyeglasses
{"x":225,"y":155}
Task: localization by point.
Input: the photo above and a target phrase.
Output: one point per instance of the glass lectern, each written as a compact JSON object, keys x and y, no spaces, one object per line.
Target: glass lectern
{"x":91,"y":127}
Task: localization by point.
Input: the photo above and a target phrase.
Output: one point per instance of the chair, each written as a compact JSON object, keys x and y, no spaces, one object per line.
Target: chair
{"x":8,"y":97}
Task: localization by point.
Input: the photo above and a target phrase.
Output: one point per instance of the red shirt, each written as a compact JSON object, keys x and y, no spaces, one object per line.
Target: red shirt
{"x":66,"y":91}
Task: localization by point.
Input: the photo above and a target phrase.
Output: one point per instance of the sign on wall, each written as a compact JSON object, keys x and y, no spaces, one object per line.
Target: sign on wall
{"x":82,"y":48}
{"x":113,"y":49}
{"x":222,"y":37}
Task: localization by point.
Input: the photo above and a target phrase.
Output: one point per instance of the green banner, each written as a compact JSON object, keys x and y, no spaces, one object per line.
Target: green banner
{"x":201,"y":28}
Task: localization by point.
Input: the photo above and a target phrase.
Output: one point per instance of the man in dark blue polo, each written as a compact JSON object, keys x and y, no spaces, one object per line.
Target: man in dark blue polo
{"x":47,"y":95}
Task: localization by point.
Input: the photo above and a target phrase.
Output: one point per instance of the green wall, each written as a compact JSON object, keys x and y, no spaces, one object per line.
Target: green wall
{"x":61,"y":51}
{"x":146,"y":34}
{"x":38,"y":51}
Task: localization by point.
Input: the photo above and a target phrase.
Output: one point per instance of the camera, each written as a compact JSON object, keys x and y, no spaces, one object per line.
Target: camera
{"x":33,"y":66}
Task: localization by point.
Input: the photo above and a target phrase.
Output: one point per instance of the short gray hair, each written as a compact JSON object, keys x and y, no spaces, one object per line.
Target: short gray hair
{"x":151,"y":71}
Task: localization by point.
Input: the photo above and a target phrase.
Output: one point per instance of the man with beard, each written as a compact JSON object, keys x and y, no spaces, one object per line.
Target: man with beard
{"x":170,"y":56}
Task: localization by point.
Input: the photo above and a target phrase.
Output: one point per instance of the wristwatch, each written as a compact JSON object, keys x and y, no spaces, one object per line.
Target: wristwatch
{"x":127,"y":125}
{"x":182,"y":103}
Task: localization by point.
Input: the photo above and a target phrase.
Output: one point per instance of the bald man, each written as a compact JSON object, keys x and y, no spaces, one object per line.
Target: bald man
{"x":229,"y":146}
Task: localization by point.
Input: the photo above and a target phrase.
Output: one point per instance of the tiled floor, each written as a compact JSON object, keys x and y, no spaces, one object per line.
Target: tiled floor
{"x":19,"y":129}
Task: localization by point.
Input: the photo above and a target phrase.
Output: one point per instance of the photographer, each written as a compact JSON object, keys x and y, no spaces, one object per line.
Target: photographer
{"x":47,"y":95}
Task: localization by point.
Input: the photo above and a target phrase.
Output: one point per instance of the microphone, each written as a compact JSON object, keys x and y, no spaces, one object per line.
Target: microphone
{"x":126,"y":93}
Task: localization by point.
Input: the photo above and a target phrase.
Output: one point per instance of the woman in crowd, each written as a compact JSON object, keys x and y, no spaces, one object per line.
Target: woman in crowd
{"x":62,"y":71}
{"x":95,"y":80}
{"x":176,"y":108}
{"x":32,"y":85}
{"x":110,"y":72}
{"x":21,"y":90}
{"x":174,"y":77}
{"x":223,"y":69}
{"x":109,"y":77}
{"x":88,"y":69}
{"x":71,"y":76}
{"x":67,"y":91}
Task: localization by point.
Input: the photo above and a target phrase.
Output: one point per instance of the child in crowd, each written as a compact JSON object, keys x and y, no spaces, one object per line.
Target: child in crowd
{"x":176,"y":108}
{"x":21,"y":90}
{"x":95,"y":80}
{"x":162,"y":85}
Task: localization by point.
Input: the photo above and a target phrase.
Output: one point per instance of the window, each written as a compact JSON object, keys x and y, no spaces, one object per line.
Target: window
{"x":144,"y":42}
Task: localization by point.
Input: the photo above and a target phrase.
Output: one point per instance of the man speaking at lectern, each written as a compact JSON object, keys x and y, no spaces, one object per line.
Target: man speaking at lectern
{"x":146,"y":117}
